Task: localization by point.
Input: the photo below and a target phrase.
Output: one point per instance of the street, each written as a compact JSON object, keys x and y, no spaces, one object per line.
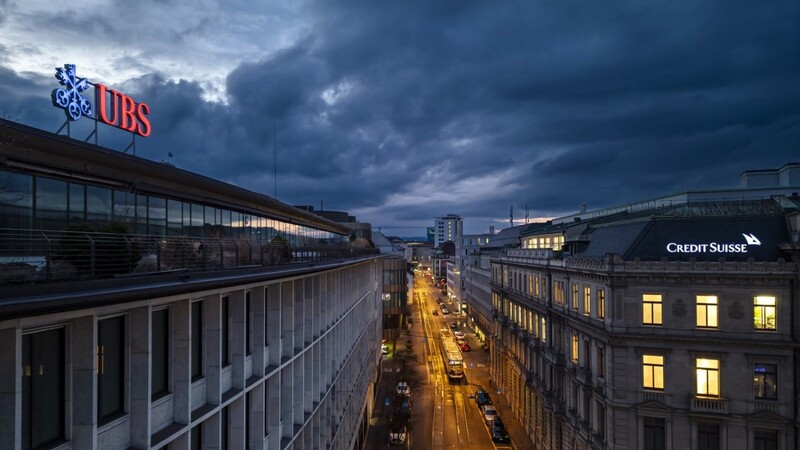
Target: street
{"x":445,"y":414}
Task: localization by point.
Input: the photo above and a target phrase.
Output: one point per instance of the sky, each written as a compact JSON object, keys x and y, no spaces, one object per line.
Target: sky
{"x":402,"y":111}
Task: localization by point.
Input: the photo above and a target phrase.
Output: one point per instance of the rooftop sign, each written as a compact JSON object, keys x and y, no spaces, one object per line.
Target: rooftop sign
{"x":115,"y":108}
{"x":715,"y":247}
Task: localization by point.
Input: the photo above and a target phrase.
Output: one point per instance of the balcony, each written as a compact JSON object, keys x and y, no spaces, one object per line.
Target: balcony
{"x":709,"y":405}
{"x":39,"y":256}
{"x":652,"y":396}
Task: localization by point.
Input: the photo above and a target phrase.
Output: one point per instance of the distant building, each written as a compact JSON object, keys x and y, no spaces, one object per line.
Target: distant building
{"x":447,"y":228}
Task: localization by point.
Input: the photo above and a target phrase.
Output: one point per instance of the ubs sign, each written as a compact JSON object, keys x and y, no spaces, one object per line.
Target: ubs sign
{"x":715,"y":247}
{"x":115,"y":108}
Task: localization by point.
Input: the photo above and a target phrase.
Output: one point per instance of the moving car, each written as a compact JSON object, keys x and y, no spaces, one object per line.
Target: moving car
{"x":459,"y":334}
{"x":482,"y":398}
{"x":453,"y":325}
{"x":498,"y":431}
{"x":445,"y":310}
{"x":435,"y":312}
{"x":465,"y":347}
{"x":489,"y":413}
{"x":384,"y":349}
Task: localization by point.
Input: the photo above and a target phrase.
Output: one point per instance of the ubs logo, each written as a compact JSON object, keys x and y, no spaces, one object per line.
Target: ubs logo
{"x":116,"y":108}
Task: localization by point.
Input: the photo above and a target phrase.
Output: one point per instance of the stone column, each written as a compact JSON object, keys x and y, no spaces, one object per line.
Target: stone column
{"x":140,"y":375}
{"x":11,"y":387}
{"x":84,"y":382}
{"x":181,"y":362}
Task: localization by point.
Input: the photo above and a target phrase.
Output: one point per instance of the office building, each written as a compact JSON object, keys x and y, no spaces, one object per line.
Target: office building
{"x":144,"y":306}
{"x":666,"y":324}
{"x":447,"y":228}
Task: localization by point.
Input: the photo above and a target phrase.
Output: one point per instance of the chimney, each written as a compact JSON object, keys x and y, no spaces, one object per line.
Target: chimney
{"x":583,"y":207}
{"x":491,"y":229}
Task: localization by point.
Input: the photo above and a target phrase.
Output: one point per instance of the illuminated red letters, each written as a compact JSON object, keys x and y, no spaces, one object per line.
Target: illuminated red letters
{"x":125,"y":112}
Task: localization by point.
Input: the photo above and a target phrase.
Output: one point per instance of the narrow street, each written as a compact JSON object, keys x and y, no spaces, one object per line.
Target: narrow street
{"x":445,"y":414}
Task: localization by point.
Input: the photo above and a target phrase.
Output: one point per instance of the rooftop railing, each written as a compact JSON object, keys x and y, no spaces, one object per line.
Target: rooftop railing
{"x":28,"y":256}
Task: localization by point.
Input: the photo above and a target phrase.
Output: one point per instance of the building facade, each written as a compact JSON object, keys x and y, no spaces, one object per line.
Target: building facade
{"x":664,"y":327}
{"x":143,"y":306}
{"x":447,"y":228}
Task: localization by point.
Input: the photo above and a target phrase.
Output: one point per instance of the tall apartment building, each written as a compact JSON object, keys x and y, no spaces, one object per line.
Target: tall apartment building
{"x":447,"y":228}
{"x":670,"y":324}
{"x":143,"y":306}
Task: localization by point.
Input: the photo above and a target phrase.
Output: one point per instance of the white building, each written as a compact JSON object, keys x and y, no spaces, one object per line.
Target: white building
{"x":447,"y":228}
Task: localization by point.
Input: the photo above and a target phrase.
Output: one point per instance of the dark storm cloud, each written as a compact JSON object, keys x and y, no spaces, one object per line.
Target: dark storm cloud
{"x":410,"y":110}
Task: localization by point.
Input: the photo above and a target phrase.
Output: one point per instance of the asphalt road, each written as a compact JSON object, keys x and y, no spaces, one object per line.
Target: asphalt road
{"x":444,"y":412}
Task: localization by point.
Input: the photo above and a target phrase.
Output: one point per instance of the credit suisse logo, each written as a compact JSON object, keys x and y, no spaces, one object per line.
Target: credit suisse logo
{"x":715,"y":247}
{"x":115,"y":108}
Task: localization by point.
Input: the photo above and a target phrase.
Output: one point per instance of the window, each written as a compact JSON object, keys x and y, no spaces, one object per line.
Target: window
{"x":707,"y":377}
{"x":544,"y":329}
{"x":601,"y":304}
{"x":766,"y":440}
{"x":248,"y":322}
{"x":764,"y":313}
{"x":600,"y":429}
{"x":110,"y":368}
{"x":707,"y":436}
{"x":159,"y":363}
{"x":574,"y":348}
{"x":196,"y":437}
{"x":653,"y":372}
{"x":651,"y":309}
{"x":707,"y":311}
{"x":601,"y":361}
{"x":654,"y":433}
{"x":224,"y":424}
{"x":765,"y":381}
{"x":197,"y":340}
{"x":574,"y":298}
{"x":587,"y":300}
{"x":43,"y":388}
{"x":225,"y":332}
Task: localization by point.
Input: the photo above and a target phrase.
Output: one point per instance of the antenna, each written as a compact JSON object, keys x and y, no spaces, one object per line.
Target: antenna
{"x":275,"y":166}
{"x":511,"y":215}
{"x":526,"y":213}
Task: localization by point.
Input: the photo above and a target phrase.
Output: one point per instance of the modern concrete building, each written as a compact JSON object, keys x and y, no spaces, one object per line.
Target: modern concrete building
{"x":447,"y":228}
{"x":659,"y":325}
{"x":143,"y":306}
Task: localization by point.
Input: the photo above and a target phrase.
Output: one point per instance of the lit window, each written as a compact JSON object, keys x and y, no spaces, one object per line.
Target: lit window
{"x":651,"y":309}
{"x":765,"y":381}
{"x":587,"y":300}
{"x":653,"y":372}
{"x":574,"y":299}
{"x":707,"y":311}
{"x":575,"y":348}
{"x":601,"y":304}
{"x":708,"y":377}
{"x":544,"y":329}
{"x":764,"y":313}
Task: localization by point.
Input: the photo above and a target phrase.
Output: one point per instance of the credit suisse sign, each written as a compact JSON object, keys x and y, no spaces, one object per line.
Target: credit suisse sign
{"x":114,"y":108}
{"x":715,"y":247}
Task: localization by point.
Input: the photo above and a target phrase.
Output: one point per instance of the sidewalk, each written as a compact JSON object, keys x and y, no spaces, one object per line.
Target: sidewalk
{"x":481,"y":376}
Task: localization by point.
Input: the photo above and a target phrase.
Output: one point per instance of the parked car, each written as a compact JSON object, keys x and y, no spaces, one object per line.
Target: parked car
{"x":402,"y":388}
{"x":453,"y":325}
{"x":465,"y":347}
{"x":459,"y":334}
{"x":445,"y":311}
{"x":435,"y":312}
{"x":489,"y":413}
{"x":482,"y":398}
{"x":499,"y":432}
